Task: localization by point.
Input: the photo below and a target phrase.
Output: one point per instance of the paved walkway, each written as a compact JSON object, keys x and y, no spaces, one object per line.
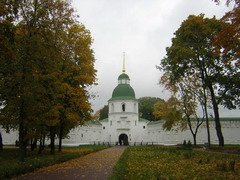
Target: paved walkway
{"x":94,"y":166}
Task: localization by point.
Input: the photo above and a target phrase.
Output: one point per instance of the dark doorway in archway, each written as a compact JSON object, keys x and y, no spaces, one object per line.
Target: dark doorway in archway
{"x":123,"y":140}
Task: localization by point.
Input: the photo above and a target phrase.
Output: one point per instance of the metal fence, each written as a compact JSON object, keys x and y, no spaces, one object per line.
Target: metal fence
{"x":126,"y":144}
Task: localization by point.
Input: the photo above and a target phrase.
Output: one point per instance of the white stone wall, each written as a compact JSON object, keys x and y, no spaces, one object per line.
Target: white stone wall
{"x":230,"y":129}
{"x":84,"y":135}
{"x":137,"y":134}
{"x":9,"y":138}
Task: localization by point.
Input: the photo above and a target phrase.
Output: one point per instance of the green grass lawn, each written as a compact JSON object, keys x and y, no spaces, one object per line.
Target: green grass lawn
{"x":160,"y":163}
{"x":10,"y":166}
{"x":226,"y":148}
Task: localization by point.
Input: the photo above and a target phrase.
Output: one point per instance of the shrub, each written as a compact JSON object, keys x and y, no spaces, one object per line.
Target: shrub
{"x":232,"y":165}
{"x":184,"y":143}
{"x":225,"y":166}
{"x":189,"y":144}
{"x":188,"y":155}
{"x":208,"y":160}
{"x":222,"y":166}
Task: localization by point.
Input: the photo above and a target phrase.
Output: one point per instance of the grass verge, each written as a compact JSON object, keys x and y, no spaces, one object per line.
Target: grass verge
{"x":160,"y":162}
{"x":120,"y":169}
{"x":10,"y":166}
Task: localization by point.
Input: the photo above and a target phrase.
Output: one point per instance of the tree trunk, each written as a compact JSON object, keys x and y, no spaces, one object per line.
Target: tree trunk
{"x":33,"y":144}
{"x":1,"y":144}
{"x":40,"y":145}
{"x":217,"y":119}
{"x":52,"y":139}
{"x":206,"y":114}
{"x":22,"y":118}
{"x":208,"y":131}
{"x":60,"y":137}
{"x":22,"y":135}
{"x":22,"y":144}
{"x":190,"y":125}
{"x":43,"y":142}
{"x":191,"y":130}
{"x":195,"y":140}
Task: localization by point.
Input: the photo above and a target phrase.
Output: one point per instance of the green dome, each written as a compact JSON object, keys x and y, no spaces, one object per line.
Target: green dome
{"x":123,"y":76}
{"x":123,"y":91}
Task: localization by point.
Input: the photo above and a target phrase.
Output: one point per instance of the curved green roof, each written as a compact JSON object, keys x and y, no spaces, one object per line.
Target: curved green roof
{"x":104,"y":120}
{"x":123,"y":76}
{"x":123,"y":91}
{"x":143,"y":120}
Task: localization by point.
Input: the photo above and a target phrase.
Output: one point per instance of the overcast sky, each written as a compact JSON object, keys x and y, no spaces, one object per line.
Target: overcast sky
{"x":142,"y":29}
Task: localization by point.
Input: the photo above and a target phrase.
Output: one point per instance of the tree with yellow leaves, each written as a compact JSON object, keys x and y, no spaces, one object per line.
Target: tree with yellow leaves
{"x":46,"y":65}
{"x":171,"y":111}
{"x":182,"y":111}
{"x":192,"y":52}
{"x":227,"y":41}
{"x":77,"y":73}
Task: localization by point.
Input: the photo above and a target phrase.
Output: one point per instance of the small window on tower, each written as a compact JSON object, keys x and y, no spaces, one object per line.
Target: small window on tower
{"x":135,"y":107}
{"x":103,"y":127}
{"x":112,"y":107}
{"x":110,"y":123}
{"x":143,"y":127}
{"x":123,"y":107}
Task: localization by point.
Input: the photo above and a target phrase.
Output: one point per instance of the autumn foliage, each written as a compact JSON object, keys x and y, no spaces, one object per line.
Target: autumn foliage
{"x":162,"y":162}
{"x":46,"y":66}
{"x":227,"y":42}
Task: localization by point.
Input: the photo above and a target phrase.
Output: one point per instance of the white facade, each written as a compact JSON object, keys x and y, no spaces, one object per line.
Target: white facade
{"x":123,"y":126}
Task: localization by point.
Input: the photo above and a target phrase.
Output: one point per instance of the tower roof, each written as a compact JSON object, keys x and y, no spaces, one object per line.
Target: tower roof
{"x":123,"y":91}
{"x":123,"y":76}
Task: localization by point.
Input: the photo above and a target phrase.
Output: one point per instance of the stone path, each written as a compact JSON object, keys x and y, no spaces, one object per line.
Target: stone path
{"x":94,"y":166}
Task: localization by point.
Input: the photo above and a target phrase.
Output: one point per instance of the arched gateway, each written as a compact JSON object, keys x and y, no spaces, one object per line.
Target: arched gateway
{"x":123,"y":140}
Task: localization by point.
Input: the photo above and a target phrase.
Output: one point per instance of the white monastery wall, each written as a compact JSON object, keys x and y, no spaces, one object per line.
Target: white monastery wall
{"x":137,"y":134}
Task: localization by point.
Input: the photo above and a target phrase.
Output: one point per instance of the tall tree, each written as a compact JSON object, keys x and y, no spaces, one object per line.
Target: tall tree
{"x":191,"y":93}
{"x":190,"y":98}
{"x":77,"y":73}
{"x":46,"y":65}
{"x":103,"y":112}
{"x":146,"y":107}
{"x":18,"y":71}
{"x":227,"y":45}
{"x":1,"y":144}
{"x":192,"y":53}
